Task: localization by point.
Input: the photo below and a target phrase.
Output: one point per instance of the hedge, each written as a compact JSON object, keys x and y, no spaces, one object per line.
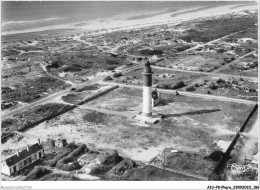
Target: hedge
{"x":63,"y":162}
{"x":37,"y":172}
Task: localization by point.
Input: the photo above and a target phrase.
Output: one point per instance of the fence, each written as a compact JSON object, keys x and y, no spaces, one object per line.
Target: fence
{"x":25,"y":127}
{"x":226,"y":155}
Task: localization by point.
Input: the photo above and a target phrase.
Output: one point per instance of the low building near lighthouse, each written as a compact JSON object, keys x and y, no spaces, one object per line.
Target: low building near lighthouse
{"x":155,"y":98}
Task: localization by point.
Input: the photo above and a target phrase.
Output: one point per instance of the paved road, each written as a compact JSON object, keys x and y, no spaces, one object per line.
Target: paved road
{"x":205,"y":73}
{"x":206,"y":96}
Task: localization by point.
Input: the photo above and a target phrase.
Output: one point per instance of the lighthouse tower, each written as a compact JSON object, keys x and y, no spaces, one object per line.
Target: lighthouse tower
{"x":147,"y":90}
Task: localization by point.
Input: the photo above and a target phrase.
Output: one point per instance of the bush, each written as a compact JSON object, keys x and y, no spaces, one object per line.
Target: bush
{"x":176,"y":85}
{"x":100,"y":170}
{"x":69,"y":167}
{"x":63,"y":162}
{"x":8,"y":122}
{"x":110,"y":68}
{"x":213,"y":87}
{"x":113,"y":158}
{"x":66,"y":150}
{"x":107,"y":78}
{"x":107,"y":163}
{"x":139,"y":58}
{"x":220,"y":81}
{"x":89,"y":87}
{"x":191,"y":88}
{"x":56,"y":64}
{"x":37,"y":172}
{"x":196,"y":85}
{"x":59,"y":177}
{"x":71,"y":69}
{"x":147,"y":52}
{"x":116,"y":75}
{"x":208,"y":92}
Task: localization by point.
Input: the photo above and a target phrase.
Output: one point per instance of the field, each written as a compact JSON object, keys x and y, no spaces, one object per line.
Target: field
{"x":20,"y":120}
{"x":248,"y":66}
{"x":161,"y":78}
{"x":225,"y":86}
{"x":208,"y":30}
{"x":206,"y":62}
{"x":185,"y":117}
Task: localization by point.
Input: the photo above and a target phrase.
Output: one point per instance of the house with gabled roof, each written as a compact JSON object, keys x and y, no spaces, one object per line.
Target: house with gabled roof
{"x":12,"y":165}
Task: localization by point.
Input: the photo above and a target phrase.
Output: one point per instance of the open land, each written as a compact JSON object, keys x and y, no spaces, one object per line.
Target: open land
{"x":46,"y":72}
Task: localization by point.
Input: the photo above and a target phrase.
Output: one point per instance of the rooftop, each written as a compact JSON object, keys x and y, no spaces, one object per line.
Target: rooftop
{"x":23,"y":154}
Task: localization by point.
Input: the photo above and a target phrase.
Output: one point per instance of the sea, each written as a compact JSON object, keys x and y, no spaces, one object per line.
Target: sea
{"x":22,"y":15}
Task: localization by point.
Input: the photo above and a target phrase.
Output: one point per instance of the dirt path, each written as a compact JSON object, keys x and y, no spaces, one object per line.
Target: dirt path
{"x":209,"y":43}
{"x":46,"y":99}
{"x":53,"y":76}
{"x":182,"y":173}
{"x":61,"y":93}
{"x":206,"y":96}
{"x":232,"y":62}
{"x":205,"y":73}
{"x":106,"y":111}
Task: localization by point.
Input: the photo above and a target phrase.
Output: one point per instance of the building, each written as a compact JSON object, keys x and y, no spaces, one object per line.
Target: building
{"x":20,"y":160}
{"x":155,"y":98}
{"x":61,"y":143}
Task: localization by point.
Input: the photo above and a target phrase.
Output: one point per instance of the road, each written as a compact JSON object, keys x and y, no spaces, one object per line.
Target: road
{"x":205,"y":73}
{"x":208,"y":43}
{"x":61,"y":93}
{"x":205,"y":96}
{"x":46,"y":99}
{"x":232,"y":62}
{"x":53,"y":76}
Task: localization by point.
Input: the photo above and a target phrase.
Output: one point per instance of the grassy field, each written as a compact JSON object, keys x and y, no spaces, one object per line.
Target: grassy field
{"x":208,"y":30}
{"x":200,"y":61}
{"x":242,"y":69}
{"x":34,"y":114}
{"x":203,"y":122}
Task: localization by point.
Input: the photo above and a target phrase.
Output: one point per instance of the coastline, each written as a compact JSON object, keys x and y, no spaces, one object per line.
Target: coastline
{"x":123,"y":22}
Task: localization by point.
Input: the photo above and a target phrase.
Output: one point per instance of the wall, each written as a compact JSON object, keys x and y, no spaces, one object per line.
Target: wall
{"x":5,"y":169}
{"x":20,"y":165}
{"x":226,"y":155}
{"x":25,"y":127}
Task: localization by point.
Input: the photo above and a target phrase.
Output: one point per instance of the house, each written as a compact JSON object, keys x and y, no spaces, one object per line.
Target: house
{"x":20,"y":160}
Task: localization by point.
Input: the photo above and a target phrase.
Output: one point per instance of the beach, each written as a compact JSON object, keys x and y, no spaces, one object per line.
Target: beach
{"x":142,"y":19}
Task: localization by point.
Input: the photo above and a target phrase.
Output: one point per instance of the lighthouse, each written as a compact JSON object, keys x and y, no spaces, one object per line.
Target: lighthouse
{"x":147,"y":90}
